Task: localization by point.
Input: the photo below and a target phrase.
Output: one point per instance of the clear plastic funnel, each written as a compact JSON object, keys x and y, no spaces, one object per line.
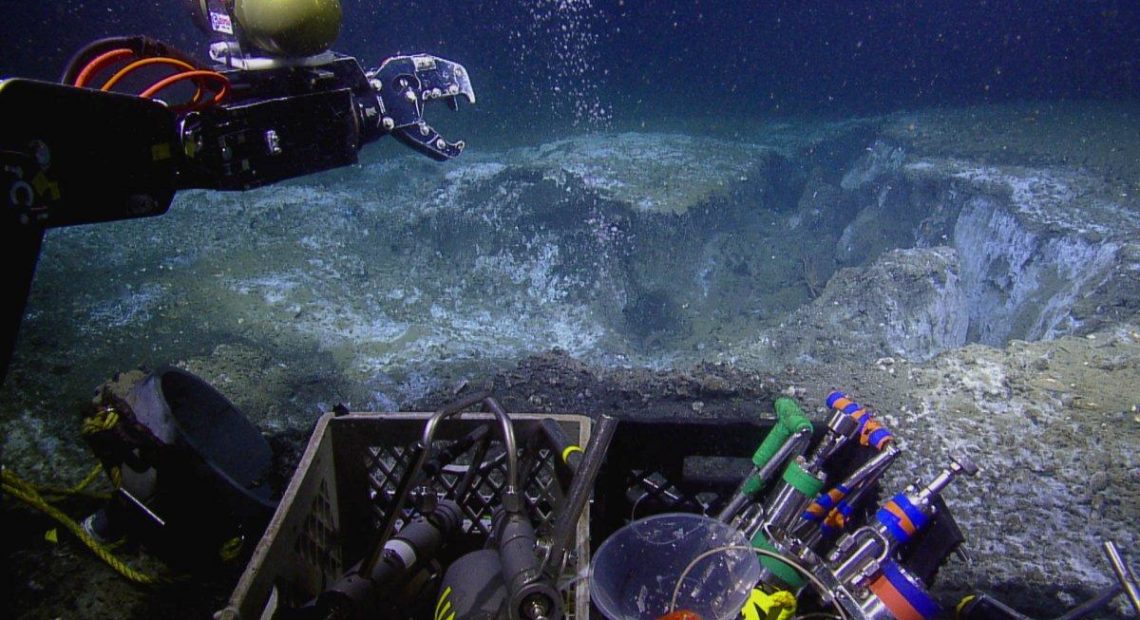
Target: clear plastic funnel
{"x":636,"y":570}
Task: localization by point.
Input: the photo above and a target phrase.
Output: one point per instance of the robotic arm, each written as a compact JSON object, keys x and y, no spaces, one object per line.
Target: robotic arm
{"x":279,"y":106}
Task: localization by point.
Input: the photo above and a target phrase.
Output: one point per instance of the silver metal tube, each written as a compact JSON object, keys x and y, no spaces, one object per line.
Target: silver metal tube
{"x":509,"y":445}
{"x":872,"y":469}
{"x":788,"y":505}
{"x":873,"y":548}
{"x":738,"y":501}
{"x":959,"y":464}
{"x":1123,"y":573}
{"x":794,"y":445}
{"x":841,"y":428}
{"x":858,"y":483}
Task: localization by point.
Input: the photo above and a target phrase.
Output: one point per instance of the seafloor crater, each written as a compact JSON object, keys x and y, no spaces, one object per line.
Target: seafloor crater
{"x":803,"y":243}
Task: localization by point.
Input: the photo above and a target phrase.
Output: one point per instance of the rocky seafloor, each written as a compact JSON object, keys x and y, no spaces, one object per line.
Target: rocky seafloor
{"x":973,"y":274}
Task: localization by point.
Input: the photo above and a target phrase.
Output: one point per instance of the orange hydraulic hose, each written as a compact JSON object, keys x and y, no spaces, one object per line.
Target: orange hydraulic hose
{"x":98,"y":63}
{"x":158,"y":60}
{"x":143,"y":62}
{"x":223,"y":90}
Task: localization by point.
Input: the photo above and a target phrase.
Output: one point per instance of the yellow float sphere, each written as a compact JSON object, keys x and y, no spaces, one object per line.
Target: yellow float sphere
{"x":289,"y":27}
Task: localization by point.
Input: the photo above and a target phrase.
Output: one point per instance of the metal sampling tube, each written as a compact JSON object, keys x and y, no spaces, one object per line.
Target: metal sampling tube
{"x":840,"y":428}
{"x":799,"y":488}
{"x":854,"y":488}
{"x":761,"y":475}
{"x":896,"y":522}
{"x":870,"y":471}
{"x":859,"y":550}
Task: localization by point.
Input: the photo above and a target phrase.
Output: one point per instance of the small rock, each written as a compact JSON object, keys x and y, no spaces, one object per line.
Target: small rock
{"x":1098,"y":481}
{"x":793,"y":392}
{"x":1066,"y":599}
{"x":698,"y":406}
{"x":1110,"y":363}
{"x":1033,"y":414}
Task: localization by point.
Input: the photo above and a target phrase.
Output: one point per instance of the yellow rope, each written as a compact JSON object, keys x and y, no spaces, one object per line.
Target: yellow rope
{"x":78,"y":489}
{"x":231,"y":549}
{"x":16,"y":487}
{"x":104,"y":419}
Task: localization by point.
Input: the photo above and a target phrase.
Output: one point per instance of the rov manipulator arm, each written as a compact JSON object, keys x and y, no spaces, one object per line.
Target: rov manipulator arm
{"x":74,"y":154}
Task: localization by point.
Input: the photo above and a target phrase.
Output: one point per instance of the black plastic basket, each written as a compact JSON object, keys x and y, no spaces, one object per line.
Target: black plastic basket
{"x":671,"y":465}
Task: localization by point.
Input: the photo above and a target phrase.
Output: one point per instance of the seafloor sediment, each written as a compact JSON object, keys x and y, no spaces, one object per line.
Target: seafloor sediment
{"x":974,"y":274}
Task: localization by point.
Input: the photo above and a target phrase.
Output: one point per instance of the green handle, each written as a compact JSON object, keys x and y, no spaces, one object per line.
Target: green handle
{"x":789,"y":419}
{"x":789,"y":414}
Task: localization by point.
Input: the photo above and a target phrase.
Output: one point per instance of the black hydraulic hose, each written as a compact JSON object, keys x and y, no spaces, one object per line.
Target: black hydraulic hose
{"x":579,"y":494}
{"x":1094,"y":604}
{"x":568,"y":452}
{"x":464,"y":486}
{"x":446,"y":456}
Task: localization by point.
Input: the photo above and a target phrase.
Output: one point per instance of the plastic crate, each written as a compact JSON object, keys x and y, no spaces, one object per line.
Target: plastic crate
{"x":331,"y":511}
{"x":658,"y":465}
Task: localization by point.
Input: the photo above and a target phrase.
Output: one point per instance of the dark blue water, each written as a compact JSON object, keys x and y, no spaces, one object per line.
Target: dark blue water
{"x":592,"y":61}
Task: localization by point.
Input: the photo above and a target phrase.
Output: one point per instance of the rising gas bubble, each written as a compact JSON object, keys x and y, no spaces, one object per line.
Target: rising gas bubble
{"x":562,"y":39}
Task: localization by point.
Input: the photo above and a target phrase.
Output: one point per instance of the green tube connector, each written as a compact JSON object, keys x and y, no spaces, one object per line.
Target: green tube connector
{"x":790,"y":422}
{"x":752,"y":485}
{"x":805,"y":483}
{"x":789,"y":419}
{"x":781,"y":570}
